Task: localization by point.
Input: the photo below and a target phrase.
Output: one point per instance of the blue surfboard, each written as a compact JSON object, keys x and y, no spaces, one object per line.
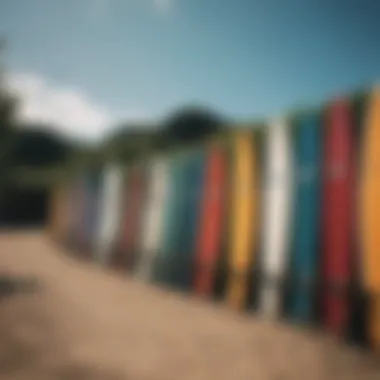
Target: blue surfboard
{"x":175,"y":235}
{"x":308,"y":137}
{"x":70,"y":231}
{"x":84,"y":215}
{"x":170,"y":224}
{"x":189,"y":213}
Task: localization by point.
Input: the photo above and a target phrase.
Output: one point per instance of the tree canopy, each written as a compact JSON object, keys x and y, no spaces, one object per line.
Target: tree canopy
{"x":192,"y":123}
{"x":34,"y":147}
{"x":8,"y":110}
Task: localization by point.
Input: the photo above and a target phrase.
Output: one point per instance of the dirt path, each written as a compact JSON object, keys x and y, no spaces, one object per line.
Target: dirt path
{"x":88,"y":324}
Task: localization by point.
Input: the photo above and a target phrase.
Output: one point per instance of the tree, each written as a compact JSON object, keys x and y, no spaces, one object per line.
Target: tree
{"x":191,"y":124}
{"x":8,"y":111}
{"x":129,"y":141}
{"x":37,"y":148}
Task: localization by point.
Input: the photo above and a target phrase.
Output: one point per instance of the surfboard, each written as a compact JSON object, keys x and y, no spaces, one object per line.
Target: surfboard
{"x":69,"y":233}
{"x":210,"y":227}
{"x":83,"y":218}
{"x":182,"y":264}
{"x":170,"y":223}
{"x":126,"y":257}
{"x":73,"y":213}
{"x":85,"y":213}
{"x":110,"y":206}
{"x":359,"y":301}
{"x":55,"y":212}
{"x":151,"y":236}
{"x":307,"y":218}
{"x":337,"y":219}
{"x":277,"y":217}
{"x":65,"y":215}
{"x":175,"y":246}
{"x":52,"y":221}
{"x":370,"y":214}
{"x":244,"y":223}
{"x":80,"y":214}
{"x":59,"y":213}
{"x":91,"y":212}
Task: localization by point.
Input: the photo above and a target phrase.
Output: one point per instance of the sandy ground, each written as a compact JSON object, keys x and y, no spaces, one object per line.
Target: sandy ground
{"x":86,"y":323}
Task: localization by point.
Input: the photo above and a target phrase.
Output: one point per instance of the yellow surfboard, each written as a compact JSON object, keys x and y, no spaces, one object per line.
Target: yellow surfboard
{"x":243,"y":219}
{"x":370,"y":213}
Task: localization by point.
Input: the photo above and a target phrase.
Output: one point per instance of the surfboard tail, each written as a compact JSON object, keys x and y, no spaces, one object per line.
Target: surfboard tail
{"x":302,"y":306}
{"x":143,"y":269}
{"x":270,"y":301}
{"x":359,"y":313}
{"x":204,"y":281}
{"x":374,"y":322}
{"x":237,"y":291}
{"x":336,"y":315}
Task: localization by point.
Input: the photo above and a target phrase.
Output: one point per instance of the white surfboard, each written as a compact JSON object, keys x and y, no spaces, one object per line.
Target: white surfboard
{"x":153,"y":218}
{"x":110,"y":212}
{"x":277,"y":207}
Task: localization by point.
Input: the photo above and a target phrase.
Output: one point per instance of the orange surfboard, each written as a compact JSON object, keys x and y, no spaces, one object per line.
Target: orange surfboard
{"x":58,"y":213}
{"x":370,"y":213}
{"x":209,"y":242}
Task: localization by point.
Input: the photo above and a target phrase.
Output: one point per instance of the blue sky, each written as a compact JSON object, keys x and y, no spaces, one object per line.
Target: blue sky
{"x":85,"y":64}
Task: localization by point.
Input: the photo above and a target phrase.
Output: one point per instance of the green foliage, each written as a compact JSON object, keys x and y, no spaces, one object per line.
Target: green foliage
{"x":7,"y":112}
{"x":130,"y":142}
{"x":37,"y":148}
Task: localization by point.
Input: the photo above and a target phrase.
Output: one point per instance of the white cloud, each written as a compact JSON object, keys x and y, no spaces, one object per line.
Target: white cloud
{"x":66,"y":110}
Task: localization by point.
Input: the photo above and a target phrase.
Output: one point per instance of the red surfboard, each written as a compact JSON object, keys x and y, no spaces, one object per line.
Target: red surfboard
{"x":209,"y":241}
{"x":131,"y":222}
{"x":338,"y":216}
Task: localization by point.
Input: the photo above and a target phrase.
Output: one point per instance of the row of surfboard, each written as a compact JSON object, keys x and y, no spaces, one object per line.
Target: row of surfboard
{"x":284,"y":220}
